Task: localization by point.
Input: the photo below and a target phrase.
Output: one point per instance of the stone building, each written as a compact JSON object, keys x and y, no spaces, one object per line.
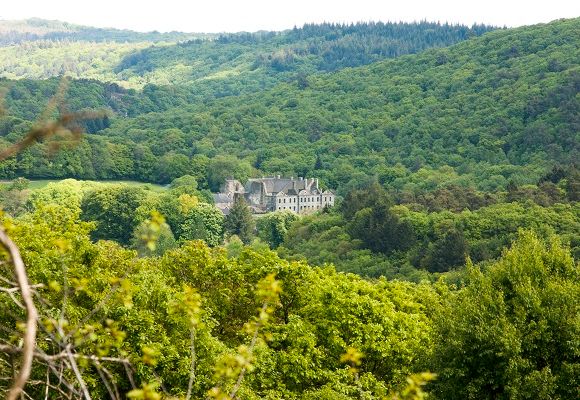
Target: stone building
{"x":301,"y":195}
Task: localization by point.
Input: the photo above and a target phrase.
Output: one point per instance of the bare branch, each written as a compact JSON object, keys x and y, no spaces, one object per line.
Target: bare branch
{"x":15,"y":289}
{"x":77,"y":373}
{"x":32,"y":315}
{"x":250,"y":350}
{"x":7,"y":280}
{"x":11,"y":349}
{"x":47,"y":384}
{"x":101,"y":372}
{"x":130,"y":375}
{"x":193,"y":360}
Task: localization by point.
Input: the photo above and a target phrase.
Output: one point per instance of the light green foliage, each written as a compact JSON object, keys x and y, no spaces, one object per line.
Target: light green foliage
{"x":153,"y":236}
{"x":233,"y":368}
{"x":414,"y":389}
{"x":509,"y":331}
{"x":187,"y":184}
{"x":512,"y":331}
{"x":80,"y":60}
{"x":204,"y":222}
{"x":65,"y":193}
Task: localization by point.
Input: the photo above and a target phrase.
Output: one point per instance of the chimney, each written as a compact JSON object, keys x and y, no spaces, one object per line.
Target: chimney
{"x":301,"y":178}
{"x":278,"y":176}
{"x":316,"y":183}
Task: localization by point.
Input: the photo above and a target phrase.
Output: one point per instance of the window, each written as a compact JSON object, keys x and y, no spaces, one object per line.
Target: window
{"x":279,"y":200}
{"x":284,"y":200}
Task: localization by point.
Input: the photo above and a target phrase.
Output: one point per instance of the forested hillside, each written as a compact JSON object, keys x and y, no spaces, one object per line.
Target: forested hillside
{"x":240,"y":62}
{"x":243,"y":63}
{"x":33,"y":29}
{"x":182,"y":324}
{"x":446,"y":268}
{"x":485,"y":112}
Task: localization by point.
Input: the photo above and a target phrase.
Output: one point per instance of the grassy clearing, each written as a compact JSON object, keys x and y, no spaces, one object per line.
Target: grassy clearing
{"x":40,"y":183}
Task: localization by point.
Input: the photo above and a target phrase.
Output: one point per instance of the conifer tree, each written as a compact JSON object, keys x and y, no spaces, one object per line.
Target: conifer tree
{"x":240,"y":221}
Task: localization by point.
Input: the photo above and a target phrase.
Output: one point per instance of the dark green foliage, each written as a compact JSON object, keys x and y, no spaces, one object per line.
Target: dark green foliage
{"x":502,"y":117}
{"x":380,"y":230}
{"x":221,"y":168}
{"x":448,"y":250}
{"x":451,"y":197}
{"x":113,"y":209}
{"x":372,"y":222}
{"x":368,"y":197}
{"x":240,"y":221}
{"x":272,"y":227}
{"x":511,"y":332}
{"x":320,"y":47}
{"x":567,"y":178}
{"x":14,"y":196}
{"x":434,"y":241}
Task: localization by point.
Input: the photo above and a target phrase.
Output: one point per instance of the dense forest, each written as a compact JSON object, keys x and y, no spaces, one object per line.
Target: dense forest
{"x":447,"y":268}
{"x":484,"y":112}
{"x":37,"y":29}
{"x":501,"y":329}
{"x":239,"y":63}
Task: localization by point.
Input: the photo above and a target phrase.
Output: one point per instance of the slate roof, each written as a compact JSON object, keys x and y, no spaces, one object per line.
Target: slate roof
{"x":277,"y":185}
{"x":221,"y":198}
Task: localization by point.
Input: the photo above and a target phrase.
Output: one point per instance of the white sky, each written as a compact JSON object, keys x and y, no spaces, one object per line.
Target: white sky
{"x":253,"y":15}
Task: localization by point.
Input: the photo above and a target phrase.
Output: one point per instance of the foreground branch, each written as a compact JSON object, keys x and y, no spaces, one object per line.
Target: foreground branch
{"x":10,"y":349}
{"x":31,"y":316}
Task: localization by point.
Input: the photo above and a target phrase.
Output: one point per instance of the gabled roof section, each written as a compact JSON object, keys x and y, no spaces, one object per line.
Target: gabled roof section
{"x":221,"y":198}
{"x":274,"y":185}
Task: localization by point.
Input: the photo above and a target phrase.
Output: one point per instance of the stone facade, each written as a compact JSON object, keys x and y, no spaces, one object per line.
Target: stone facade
{"x":301,"y":195}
